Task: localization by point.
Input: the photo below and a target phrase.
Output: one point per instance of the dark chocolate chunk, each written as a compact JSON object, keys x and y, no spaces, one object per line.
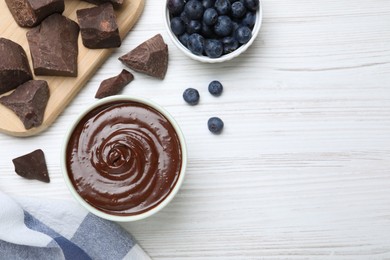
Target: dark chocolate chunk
{"x":28,"y":102}
{"x":98,"y":27}
{"x":150,"y":57}
{"x":14,"y":66}
{"x":115,"y":3}
{"x":29,"y":13}
{"x":32,"y":166}
{"x":53,"y":46}
{"x":114,"y":85}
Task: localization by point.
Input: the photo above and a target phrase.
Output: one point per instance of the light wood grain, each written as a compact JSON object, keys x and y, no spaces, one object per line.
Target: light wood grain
{"x":62,"y":89}
{"x":302,"y":169}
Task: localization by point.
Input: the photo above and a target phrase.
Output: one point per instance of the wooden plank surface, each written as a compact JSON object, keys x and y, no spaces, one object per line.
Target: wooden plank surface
{"x":302,"y":169}
{"x":62,"y":89}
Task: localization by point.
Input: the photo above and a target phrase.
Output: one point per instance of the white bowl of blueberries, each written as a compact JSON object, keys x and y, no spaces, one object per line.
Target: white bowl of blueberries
{"x":213,"y":30}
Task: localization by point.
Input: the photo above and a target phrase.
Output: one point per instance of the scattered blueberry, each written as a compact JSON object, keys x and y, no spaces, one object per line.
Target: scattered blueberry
{"x":191,"y":96}
{"x":215,"y":88}
{"x":194,"y":9}
{"x":230,"y":44}
{"x":175,"y":7}
{"x":243,"y":34}
{"x":194,"y":26}
{"x":215,"y":125}
{"x":223,"y":7}
{"x":251,"y":5}
{"x":213,"y":48}
{"x":177,"y":26}
{"x":224,"y":26}
{"x":196,"y":43}
{"x":238,"y":10}
{"x":210,"y":16}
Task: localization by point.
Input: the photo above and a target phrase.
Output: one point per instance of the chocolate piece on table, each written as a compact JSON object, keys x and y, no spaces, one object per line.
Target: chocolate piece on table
{"x":53,"y":46}
{"x":32,"y":166}
{"x":14,"y":66}
{"x":115,"y":3}
{"x":114,"y":85}
{"x":28,"y":102}
{"x":29,"y":13}
{"x":98,"y":27}
{"x":150,"y":57}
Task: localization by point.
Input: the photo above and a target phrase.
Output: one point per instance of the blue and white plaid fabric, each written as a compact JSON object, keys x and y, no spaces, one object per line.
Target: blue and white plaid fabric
{"x":47,"y":229}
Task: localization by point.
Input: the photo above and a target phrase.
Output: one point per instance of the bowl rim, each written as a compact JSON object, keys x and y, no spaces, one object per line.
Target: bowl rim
{"x":162,"y":204}
{"x":226,"y":57}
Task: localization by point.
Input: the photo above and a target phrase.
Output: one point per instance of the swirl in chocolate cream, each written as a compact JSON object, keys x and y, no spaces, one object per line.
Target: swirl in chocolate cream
{"x":124,"y":158}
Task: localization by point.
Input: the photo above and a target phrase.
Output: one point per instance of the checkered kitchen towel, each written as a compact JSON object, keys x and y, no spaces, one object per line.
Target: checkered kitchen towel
{"x":37,"y":229}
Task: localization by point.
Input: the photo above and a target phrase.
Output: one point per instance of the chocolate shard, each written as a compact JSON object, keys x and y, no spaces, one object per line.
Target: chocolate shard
{"x":28,"y":102}
{"x":115,"y":3}
{"x":150,"y":57}
{"x":29,"y":13}
{"x":14,"y":66}
{"x":32,"y":166}
{"x":114,"y":85}
{"x":98,"y":27}
{"x":53,"y":46}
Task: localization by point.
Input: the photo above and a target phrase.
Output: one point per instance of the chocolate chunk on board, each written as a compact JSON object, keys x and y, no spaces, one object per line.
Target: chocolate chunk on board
{"x":53,"y":46}
{"x":14,"y":66}
{"x":114,"y":85}
{"x":116,"y":3}
{"x":28,"y":102}
{"x":32,"y":166}
{"x":98,"y":27}
{"x":150,"y":57}
{"x":29,"y":13}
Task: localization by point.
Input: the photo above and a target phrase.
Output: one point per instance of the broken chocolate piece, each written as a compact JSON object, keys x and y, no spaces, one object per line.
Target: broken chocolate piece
{"x":116,"y":3}
{"x":29,"y":13}
{"x":14,"y":66}
{"x":53,"y":46}
{"x":98,"y":27}
{"x":28,"y":102}
{"x":114,"y":85}
{"x":32,"y":166}
{"x":150,"y":57}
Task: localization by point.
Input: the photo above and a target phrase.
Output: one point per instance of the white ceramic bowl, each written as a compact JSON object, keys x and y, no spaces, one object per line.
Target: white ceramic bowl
{"x":153,"y":210}
{"x":226,"y":57}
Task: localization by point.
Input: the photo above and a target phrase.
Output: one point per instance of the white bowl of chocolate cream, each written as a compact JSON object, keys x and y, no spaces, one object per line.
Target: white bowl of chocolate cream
{"x":124,"y":158}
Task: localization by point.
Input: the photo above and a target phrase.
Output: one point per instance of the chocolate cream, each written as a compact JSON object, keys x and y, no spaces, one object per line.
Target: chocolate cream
{"x":124,"y":158}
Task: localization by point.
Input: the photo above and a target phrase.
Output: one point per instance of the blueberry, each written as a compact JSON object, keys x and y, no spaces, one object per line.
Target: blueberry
{"x":208,"y":3}
{"x":243,"y":34}
{"x":251,"y":5}
{"x":222,"y":6}
{"x":185,"y":18}
{"x":191,"y":96}
{"x":230,"y":44}
{"x":249,"y":19}
{"x":210,"y":16}
{"x":224,"y":26}
{"x":215,"y":88}
{"x":184,"y":38}
{"x":196,"y":43}
{"x":215,"y":125}
{"x":194,"y":9}
{"x":175,"y":7}
{"x":177,"y":26}
{"x":194,"y":26}
{"x":238,"y":10}
{"x":213,"y":48}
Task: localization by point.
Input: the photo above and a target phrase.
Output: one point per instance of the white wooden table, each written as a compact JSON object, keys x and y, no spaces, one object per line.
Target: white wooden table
{"x":302,"y":169}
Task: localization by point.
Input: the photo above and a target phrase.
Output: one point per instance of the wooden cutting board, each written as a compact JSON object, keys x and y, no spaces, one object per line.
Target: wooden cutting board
{"x":62,"y":89}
